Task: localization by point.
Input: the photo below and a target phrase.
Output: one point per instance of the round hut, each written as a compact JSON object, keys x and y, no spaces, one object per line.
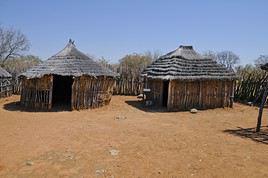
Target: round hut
{"x":5,"y":83}
{"x":69,"y":78}
{"x":184,"y":79}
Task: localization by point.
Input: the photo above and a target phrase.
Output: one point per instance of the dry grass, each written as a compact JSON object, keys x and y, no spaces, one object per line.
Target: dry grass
{"x":124,"y":140}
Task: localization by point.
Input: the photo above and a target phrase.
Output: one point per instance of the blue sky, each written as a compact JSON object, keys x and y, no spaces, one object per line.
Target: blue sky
{"x":114,"y":28}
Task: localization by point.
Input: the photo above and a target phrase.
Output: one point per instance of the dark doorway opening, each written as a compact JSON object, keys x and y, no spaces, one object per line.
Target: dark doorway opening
{"x":62,"y":91}
{"x":165,"y":93}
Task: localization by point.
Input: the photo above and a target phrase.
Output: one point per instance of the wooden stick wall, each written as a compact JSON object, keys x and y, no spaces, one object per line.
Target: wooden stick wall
{"x":35,"y":93}
{"x":89,"y":92}
{"x":126,"y":86}
{"x":156,"y":87}
{"x":5,"y":87}
{"x":184,"y":95}
{"x":201,"y":95}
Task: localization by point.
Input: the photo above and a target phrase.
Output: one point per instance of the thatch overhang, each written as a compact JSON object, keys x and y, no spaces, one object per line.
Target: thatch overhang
{"x":4,"y":73}
{"x":185,"y":63}
{"x":68,"y":62}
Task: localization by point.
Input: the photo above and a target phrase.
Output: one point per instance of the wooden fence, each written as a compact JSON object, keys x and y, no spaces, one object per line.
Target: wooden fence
{"x":16,"y":87}
{"x":121,"y":87}
{"x":128,"y":86}
{"x":250,"y":86}
{"x":5,"y":87}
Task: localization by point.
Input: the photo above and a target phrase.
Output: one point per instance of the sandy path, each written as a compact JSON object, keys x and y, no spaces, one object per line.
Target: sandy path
{"x":144,"y":144}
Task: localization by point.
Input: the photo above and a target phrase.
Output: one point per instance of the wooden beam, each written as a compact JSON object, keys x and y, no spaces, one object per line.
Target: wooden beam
{"x":50,"y":92}
{"x":200,"y":95}
{"x":232,"y":94}
{"x":258,"y":128}
{"x":170,"y":96}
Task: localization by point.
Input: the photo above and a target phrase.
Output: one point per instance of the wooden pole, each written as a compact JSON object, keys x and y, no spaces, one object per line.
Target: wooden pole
{"x":200,"y":95}
{"x":50,"y":92}
{"x":170,"y":96}
{"x":258,"y":128}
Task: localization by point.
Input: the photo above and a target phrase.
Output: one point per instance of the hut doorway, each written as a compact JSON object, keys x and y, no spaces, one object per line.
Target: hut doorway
{"x":62,"y":91}
{"x":165,"y":93}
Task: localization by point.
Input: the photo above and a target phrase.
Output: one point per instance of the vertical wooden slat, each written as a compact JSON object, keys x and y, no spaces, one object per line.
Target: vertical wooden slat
{"x":50,"y":92}
{"x":170,"y":98}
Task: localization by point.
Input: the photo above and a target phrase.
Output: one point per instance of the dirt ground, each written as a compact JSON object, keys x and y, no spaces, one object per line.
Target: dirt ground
{"x":122,"y":140}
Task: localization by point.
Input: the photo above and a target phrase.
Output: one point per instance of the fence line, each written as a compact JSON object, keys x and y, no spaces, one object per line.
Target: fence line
{"x":5,"y":88}
{"x":250,"y":86}
{"x":122,"y":87}
{"x":128,"y":87}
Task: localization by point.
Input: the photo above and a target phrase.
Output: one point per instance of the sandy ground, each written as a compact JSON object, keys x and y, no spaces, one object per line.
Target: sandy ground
{"x":124,"y":141}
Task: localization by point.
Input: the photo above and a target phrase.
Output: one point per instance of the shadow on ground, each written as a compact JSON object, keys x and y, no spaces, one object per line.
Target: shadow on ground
{"x":250,"y":133}
{"x":139,"y":104}
{"x":15,"y":106}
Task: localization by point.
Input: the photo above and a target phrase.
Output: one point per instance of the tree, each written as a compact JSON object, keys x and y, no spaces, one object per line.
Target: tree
{"x":211,"y":55}
{"x":130,"y":68}
{"x":106,"y":64}
{"x":263,"y":59}
{"x":12,"y":43}
{"x":20,"y":64}
{"x":132,"y":65}
{"x":227,"y":58}
{"x":152,"y":55}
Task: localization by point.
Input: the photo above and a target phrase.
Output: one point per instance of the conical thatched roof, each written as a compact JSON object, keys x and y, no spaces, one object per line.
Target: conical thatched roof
{"x":4,"y":73}
{"x":186,"y":64}
{"x":68,"y":62}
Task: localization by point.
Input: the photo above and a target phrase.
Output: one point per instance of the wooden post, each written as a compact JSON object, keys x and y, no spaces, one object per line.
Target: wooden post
{"x":73,"y":94}
{"x":258,"y":128}
{"x":50,"y":92}
{"x":200,"y":95}
{"x":170,"y":96}
{"x":223,"y":93}
{"x":232,"y":95}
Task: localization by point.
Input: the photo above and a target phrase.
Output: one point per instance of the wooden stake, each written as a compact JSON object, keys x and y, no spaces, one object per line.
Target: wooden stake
{"x":258,"y":128}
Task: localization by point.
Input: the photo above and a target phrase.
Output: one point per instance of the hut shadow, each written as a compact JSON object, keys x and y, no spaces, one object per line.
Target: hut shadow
{"x":139,"y":104}
{"x":250,"y":133}
{"x":15,"y":106}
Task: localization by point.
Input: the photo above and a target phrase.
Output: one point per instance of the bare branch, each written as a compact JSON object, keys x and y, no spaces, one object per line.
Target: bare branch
{"x":12,"y":43}
{"x":263,"y":59}
{"x":227,"y":58}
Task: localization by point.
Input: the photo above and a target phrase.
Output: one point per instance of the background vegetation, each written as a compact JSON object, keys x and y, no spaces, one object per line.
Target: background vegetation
{"x":249,"y":86}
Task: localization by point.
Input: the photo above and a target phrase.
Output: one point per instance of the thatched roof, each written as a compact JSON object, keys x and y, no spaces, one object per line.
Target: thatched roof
{"x":4,"y":73}
{"x":186,"y":64}
{"x":68,"y":62}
